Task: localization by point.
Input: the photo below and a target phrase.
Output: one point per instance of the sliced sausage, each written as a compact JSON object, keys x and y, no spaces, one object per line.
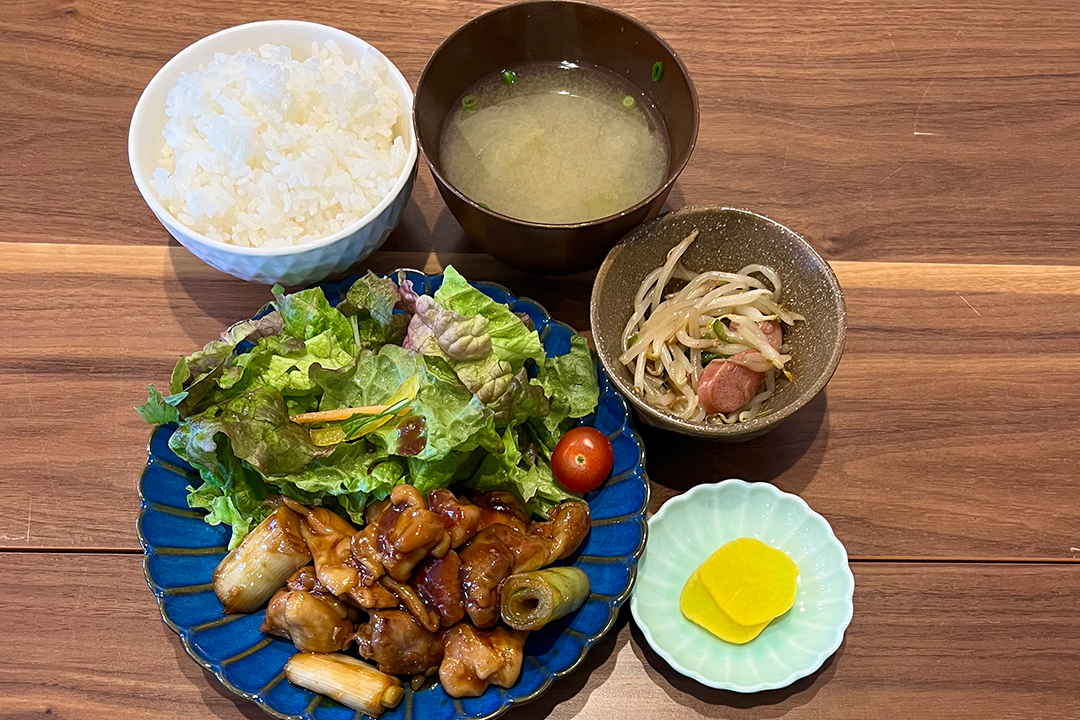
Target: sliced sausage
{"x":773,"y":333}
{"x":725,"y":387}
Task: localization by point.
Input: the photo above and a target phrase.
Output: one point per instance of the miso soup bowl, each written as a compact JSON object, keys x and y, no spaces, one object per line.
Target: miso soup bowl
{"x":554,"y":30}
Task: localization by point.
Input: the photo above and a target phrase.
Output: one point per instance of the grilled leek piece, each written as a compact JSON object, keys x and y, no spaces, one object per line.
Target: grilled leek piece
{"x":259,"y":566}
{"x":351,"y":682}
{"x":533,"y":599}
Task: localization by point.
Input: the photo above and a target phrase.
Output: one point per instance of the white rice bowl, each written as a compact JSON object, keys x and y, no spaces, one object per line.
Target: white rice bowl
{"x":262,"y":150}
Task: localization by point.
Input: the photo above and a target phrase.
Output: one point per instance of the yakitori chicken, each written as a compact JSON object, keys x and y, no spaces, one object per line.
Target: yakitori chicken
{"x":567,"y":525}
{"x":530,"y":551}
{"x":501,"y":549}
{"x":398,"y":644}
{"x":474,"y":659}
{"x":461,"y":519}
{"x":485,"y":563}
{"x":329,"y":537}
{"x":438,"y":583}
{"x":502,"y":508}
{"x":429,"y":572}
{"x":331,"y":540}
{"x":312,"y":618}
{"x":406,"y":532}
{"x":427,"y":617}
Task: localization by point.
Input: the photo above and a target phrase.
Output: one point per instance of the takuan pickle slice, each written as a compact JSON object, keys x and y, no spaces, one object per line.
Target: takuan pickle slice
{"x":750,"y":581}
{"x":699,"y":607}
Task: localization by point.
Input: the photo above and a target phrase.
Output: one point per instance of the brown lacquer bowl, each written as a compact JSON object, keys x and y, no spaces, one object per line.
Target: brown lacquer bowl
{"x":729,"y":239}
{"x":553,"y":30}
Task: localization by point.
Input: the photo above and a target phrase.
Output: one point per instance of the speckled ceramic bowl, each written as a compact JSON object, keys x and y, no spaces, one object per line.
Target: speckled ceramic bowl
{"x":729,"y":239}
{"x":687,"y":530}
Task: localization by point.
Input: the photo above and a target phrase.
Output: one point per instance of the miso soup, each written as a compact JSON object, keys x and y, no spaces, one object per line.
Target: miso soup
{"x":555,"y":143}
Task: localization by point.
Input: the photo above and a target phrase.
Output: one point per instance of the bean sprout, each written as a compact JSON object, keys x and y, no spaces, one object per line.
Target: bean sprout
{"x":710,"y":315}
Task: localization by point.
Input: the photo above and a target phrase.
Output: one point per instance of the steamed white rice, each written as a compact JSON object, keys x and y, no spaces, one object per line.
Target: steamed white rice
{"x":263,"y":150}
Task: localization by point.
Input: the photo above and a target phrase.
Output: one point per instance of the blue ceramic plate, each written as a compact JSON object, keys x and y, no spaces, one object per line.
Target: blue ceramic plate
{"x":182,"y":552}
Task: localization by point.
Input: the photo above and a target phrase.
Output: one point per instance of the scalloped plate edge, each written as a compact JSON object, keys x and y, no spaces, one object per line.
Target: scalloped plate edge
{"x":614,"y":603}
{"x":795,"y":675}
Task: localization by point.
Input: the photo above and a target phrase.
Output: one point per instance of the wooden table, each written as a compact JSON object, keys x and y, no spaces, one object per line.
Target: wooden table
{"x":929,"y":149}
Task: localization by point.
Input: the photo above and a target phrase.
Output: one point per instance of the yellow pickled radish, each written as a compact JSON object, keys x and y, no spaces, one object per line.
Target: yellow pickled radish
{"x":750,"y":581}
{"x":699,"y":607}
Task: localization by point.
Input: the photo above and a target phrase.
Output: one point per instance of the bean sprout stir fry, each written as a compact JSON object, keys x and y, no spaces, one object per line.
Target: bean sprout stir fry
{"x":715,"y":317}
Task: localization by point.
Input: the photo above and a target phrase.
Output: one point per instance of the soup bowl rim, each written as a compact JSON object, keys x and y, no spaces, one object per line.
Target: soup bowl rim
{"x":672,"y":174}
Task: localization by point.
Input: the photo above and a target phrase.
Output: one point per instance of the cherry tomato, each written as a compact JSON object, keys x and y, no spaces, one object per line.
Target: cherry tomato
{"x":582,"y":459}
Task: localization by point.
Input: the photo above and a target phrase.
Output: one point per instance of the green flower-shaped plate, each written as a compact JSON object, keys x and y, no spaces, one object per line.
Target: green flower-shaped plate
{"x":687,"y":530}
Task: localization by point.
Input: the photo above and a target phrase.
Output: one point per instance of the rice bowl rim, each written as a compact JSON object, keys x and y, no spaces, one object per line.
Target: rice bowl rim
{"x":351,"y":45}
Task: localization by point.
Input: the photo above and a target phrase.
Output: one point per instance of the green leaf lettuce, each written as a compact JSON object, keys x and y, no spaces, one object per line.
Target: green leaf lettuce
{"x":467,"y":397}
{"x":159,"y":409}
{"x":511,"y":341}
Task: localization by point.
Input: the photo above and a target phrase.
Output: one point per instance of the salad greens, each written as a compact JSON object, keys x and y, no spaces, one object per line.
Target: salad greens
{"x":335,"y":405}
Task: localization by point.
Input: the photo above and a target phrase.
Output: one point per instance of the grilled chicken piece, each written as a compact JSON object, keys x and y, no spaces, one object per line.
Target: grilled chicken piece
{"x":406,"y":532}
{"x":343,"y":564}
{"x":474,"y":659}
{"x":313,"y":622}
{"x":306,"y":579}
{"x":375,"y":509}
{"x":365,"y":556}
{"x":398,"y":645}
{"x":501,"y":508}
{"x":500,"y":549}
{"x":567,"y":525}
{"x":373,"y":598}
{"x":428,"y":618}
{"x":329,"y":537}
{"x":485,"y":563}
{"x":438,"y":583}
{"x":370,"y":593}
{"x":462,"y":519}
{"x":530,"y":551}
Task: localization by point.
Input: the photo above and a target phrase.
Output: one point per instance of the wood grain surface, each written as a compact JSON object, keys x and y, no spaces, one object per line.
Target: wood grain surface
{"x":896,"y":130}
{"x":928,"y":150}
{"x":902,"y":453}
{"x":940,"y":641}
